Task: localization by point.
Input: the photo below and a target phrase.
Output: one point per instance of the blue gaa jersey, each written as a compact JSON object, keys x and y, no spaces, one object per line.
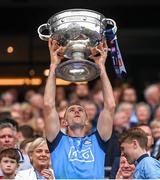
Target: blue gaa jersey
{"x":78,"y":158}
{"x":147,"y":168}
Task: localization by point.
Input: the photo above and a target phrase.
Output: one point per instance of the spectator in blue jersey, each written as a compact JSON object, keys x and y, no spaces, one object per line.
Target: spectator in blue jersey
{"x":78,"y":155}
{"x":134,"y":147}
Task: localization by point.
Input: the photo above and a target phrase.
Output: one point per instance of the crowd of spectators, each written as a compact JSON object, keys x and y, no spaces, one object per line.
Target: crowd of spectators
{"x":22,"y":121}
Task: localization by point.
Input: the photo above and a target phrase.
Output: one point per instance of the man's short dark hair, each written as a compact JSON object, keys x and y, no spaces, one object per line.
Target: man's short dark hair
{"x":27,"y":131}
{"x":134,"y":133}
{"x":6,"y":120}
{"x":25,"y":142}
{"x":76,"y":103}
{"x":8,"y":125}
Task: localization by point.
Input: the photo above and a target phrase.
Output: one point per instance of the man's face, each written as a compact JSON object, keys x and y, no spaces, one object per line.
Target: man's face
{"x":121,"y":120}
{"x":91,"y":111}
{"x":143,"y":114}
{"x":129,"y":95}
{"x":148,"y":132}
{"x":82,"y":90}
{"x":127,"y":150}
{"x":156,"y":131}
{"x":8,"y":166}
{"x":75,"y":116}
{"x":126,"y":168}
{"x":7,"y":138}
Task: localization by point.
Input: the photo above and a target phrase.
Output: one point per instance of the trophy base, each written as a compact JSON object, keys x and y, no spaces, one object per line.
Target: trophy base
{"x":77,"y":70}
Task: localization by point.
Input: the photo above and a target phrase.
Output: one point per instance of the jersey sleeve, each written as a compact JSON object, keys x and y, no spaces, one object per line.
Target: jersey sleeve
{"x":52,"y":145}
{"x":103,"y":144}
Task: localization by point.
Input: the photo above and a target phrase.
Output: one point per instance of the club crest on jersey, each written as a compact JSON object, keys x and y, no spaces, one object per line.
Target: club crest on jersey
{"x":87,"y":142}
{"x":84,"y":155}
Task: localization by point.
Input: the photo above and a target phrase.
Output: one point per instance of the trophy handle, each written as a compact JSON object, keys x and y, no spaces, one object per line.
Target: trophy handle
{"x":111,"y":22}
{"x":41,"y":28}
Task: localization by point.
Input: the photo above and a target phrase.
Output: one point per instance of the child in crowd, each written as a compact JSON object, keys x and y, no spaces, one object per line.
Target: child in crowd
{"x":133,"y":144}
{"x":9,"y":162}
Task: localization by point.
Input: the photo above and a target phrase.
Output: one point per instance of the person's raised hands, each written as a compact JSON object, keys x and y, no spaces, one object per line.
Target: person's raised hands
{"x":56,"y":51}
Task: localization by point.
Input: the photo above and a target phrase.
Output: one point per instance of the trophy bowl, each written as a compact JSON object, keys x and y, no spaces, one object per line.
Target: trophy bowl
{"x":77,"y":30}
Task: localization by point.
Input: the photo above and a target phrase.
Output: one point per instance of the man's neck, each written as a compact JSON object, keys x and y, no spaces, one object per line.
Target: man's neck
{"x":76,"y":132}
{"x":140,"y":153}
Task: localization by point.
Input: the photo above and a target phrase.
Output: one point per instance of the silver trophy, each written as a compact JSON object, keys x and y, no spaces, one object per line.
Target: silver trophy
{"x":77,"y":30}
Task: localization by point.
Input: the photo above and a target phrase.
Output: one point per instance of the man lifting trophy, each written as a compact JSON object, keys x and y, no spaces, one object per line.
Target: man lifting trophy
{"x":78,"y":41}
{"x":79,"y":32}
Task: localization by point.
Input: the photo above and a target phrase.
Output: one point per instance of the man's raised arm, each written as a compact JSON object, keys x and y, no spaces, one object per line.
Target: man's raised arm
{"x":105,"y":121}
{"x":52,"y":124}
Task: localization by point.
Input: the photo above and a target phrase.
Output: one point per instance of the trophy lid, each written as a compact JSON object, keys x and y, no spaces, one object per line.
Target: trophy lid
{"x":76,"y":12}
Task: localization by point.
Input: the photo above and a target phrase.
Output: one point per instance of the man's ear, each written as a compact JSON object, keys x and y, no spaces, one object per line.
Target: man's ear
{"x":87,"y":122}
{"x":135,"y":143}
{"x":65,"y":122}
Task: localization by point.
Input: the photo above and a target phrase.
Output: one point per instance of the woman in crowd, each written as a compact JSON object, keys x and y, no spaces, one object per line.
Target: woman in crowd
{"x":125,"y":170}
{"x":40,"y":159}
